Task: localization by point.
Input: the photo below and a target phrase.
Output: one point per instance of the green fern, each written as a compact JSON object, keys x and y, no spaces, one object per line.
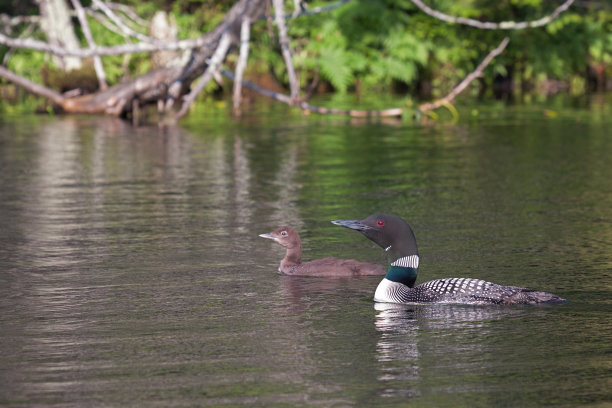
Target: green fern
{"x":406,"y":47}
{"x":334,"y":65}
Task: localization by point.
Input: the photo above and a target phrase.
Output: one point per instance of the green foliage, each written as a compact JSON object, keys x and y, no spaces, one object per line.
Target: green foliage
{"x":335,"y":66}
{"x":28,"y":64}
{"x":383,"y":45}
{"x":365,"y":40}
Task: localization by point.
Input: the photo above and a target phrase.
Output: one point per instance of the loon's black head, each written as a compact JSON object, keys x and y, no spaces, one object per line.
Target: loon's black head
{"x":389,"y":231}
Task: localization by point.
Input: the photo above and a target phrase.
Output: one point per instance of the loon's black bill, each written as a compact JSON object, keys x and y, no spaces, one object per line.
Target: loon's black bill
{"x":352,"y":224}
{"x":268,"y":235}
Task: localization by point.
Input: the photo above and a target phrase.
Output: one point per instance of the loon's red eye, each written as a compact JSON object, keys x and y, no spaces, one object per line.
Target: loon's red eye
{"x":381,"y":223}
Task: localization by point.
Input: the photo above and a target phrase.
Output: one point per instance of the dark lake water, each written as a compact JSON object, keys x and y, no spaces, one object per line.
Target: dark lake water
{"x":132,"y":274}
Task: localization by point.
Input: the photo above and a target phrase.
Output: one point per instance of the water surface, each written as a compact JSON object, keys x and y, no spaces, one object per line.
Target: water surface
{"x":132,"y":274}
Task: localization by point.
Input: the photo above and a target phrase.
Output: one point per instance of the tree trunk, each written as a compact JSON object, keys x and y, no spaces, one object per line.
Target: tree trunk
{"x":168,"y":83}
{"x":164,"y":29}
{"x":58,"y":28}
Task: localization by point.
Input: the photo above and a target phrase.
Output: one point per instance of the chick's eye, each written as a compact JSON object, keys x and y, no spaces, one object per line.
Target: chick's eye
{"x":284,"y":233}
{"x":381,"y":223}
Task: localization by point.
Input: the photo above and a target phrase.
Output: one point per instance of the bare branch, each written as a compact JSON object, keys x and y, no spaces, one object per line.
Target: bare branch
{"x":129,"y":12}
{"x":312,"y":108}
{"x":7,"y":20}
{"x":466,"y":81}
{"x":97,"y":61}
{"x":317,"y":10}
{"x":504,"y":25}
{"x":30,"y":86}
{"x":102,"y":19}
{"x":245,"y":31}
{"x":266,"y":92}
{"x":149,"y":45}
{"x":107,"y":23}
{"x":115,"y":19}
{"x":354,"y":113}
{"x":297,"y":7}
{"x":213,"y":66}
{"x":377,"y":113}
{"x":26,"y":32}
{"x":101,"y":51}
{"x":285,"y":49}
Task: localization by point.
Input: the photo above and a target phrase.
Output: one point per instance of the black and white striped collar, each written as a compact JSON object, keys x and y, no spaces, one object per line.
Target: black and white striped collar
{"x":411,"y":261}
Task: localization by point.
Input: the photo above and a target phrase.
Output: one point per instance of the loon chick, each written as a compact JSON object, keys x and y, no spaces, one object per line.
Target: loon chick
{"x":394,"y":235}
{"x":292,"y":262}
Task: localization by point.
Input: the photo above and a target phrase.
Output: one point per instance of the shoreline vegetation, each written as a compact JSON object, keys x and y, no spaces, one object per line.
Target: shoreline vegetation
{"x":130,"y":59}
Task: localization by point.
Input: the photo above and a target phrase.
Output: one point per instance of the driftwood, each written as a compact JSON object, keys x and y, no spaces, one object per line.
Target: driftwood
{"x":171,"y":87}
{"x":168,"y":84}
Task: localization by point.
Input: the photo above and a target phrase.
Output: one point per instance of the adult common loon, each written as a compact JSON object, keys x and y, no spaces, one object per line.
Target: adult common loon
{"x":292,"y":263}
{"x":394,"y":235}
